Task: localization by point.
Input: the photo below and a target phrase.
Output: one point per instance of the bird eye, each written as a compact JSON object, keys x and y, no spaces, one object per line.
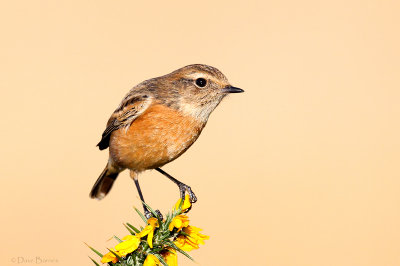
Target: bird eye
{"x":201,"y":82}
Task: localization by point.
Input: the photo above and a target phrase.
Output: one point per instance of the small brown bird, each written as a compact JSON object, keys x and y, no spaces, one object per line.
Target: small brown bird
{"x":157,"y":121}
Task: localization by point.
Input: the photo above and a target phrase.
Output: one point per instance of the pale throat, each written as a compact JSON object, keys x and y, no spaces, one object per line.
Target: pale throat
{"x":200,"y":113}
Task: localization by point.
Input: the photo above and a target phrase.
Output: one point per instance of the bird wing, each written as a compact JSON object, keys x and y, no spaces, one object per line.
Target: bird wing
{"x":130,"y":108}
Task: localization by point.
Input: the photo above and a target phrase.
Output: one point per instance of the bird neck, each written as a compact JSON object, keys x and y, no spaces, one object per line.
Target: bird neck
{"x":200,"y":113}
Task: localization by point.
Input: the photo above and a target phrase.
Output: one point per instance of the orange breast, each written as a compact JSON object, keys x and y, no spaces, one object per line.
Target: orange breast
{"x":158,"y":136}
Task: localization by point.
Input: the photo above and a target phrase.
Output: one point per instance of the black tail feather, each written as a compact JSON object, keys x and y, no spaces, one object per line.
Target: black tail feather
{"x":103,"y":184}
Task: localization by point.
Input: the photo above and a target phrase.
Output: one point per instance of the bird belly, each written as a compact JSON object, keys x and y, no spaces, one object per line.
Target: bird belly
{"x":157,"y":137}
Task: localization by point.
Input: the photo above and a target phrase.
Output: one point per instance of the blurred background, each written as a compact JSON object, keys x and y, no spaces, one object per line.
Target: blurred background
{"x":301,"y":169}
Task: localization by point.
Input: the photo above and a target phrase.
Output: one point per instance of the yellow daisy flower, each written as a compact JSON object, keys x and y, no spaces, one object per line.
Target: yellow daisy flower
{"x":130,"y":244}
{"x":186,"y":204}
{"x":170,"y":257}
{"x":179,"y":222}
{"x":151,"y":260}
{"x":149,"y":230}
{"x":109,"y":257}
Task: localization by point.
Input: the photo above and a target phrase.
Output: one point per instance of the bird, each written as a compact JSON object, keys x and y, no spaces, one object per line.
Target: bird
{"x":157,"y":121}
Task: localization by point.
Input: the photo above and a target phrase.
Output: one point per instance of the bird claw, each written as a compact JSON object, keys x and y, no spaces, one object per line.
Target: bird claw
{"x":148,"y":214}
{"x":185,"y":188}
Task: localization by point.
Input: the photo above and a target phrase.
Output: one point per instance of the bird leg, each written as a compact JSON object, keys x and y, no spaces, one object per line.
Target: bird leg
{"x":182,"y":187}
{"x":147,"y":213}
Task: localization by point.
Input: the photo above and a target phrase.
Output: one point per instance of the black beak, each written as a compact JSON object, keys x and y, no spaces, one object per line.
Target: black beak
{"x":231,"y":89}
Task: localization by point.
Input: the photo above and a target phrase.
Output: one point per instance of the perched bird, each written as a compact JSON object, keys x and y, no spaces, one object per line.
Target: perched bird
{"x":157,"y":121}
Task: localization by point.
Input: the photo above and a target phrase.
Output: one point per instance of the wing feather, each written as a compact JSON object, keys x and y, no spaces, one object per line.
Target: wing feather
{"x":129,"y":109}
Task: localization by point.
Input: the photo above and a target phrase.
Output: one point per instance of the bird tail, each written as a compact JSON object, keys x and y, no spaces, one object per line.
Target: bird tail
{"x":104,"y":183}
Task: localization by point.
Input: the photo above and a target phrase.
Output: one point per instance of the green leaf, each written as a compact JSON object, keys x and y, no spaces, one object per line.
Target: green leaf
{"x":94,"y":261}
{"x":118,"y":239}
{"x":180,"y":250}
{"x":145,"y":244}
{"x":95,"y":251}
{"x":130,"y":230}
{"x":141,"y":215}
{"x":150,"y":209}
{"x":115,"y":254}
{"x":161,"y":259}
{"x":133,"y":228}
{"x":168,"y":219}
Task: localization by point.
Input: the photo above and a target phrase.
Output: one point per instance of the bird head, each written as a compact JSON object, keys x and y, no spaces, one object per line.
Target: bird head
{"x":200,"y":88}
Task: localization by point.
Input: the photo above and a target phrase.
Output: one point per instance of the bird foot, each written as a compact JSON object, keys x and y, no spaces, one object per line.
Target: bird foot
{"x":148,"y":214}
{"x":185,"y":188}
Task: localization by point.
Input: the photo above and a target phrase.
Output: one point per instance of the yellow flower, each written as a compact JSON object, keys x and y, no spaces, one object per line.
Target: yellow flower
{"x":194,"y":234}
{"x":192,"y":240}
{"x":149,"y":230}
{"x":110,"y":257}
{"x":185,"y":243}
{"x":130,"y":244}
{"x":179,"y":222}
{"x":170,"y":257}
{"x":151,"y":260}
{"x":186,"y":203}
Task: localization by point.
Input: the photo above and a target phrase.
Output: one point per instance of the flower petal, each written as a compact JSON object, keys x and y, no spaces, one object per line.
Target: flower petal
{"x":110,"y":257}
{"x":150,"y":238}
{"x":128,"y":246}
{"x":170,"y":257}
{"x":151,"y":260}
{"x":186,"y":204}
{"x":179,"y":222}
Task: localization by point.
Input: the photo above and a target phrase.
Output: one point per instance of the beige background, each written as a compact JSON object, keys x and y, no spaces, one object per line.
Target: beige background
{"x":302,"y":169}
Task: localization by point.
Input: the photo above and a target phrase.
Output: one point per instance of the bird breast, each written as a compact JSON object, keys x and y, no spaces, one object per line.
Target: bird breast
{"x":158,"y":136}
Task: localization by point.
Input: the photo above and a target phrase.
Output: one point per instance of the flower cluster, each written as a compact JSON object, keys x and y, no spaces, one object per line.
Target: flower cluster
{"x":158,"y":242}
